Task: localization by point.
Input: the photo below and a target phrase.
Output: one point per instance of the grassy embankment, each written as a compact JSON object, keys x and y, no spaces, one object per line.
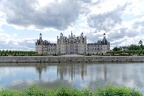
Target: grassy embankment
{"x":110,"y":90}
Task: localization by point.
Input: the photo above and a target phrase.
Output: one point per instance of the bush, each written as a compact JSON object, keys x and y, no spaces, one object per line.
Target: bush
{"x":88,"y":54}
{"x":9,"y":93}
{"x":110,"y":90}
{"x":124,"y":54}
{"x":73,"y":92}
{"x":55,"y":55}
{"x":34,"y":91}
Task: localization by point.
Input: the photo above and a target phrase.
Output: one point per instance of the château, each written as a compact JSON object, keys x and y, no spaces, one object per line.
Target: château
{"x":72,"y":45}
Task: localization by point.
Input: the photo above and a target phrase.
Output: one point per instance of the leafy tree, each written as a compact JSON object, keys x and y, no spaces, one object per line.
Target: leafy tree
{"x":134,"y":47}
{"x":141,"y":44}
{"x":116,"y":49}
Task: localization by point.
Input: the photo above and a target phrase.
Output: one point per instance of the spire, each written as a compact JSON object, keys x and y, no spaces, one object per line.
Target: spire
{"x":71,"y":34}
{"x":104,"y":41}
{"x":40,"y":37}
{"x":82,"y":34}
{"x":104,"y":34}
{"x":61,"y":34}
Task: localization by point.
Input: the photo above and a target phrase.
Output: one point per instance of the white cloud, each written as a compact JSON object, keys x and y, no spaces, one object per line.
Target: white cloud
{"x":136,"y":7}
{"x":53,"y":14}
{"x":120,"y":20}
{"x":8,"y":42}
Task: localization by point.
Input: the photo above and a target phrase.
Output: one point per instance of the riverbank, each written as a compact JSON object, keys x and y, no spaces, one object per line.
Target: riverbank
{"x":69,"y":59}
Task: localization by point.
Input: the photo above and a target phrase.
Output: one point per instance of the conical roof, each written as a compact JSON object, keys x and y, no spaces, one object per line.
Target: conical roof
{"x":104,"y":41}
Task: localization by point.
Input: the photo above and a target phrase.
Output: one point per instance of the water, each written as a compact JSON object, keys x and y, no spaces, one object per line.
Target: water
{"x":19,"y":76}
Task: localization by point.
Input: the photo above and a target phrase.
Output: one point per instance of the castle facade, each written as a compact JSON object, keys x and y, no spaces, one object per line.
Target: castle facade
{"x":72,"y":45}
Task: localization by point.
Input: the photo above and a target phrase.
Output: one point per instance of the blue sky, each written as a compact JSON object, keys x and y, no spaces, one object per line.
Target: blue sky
{"x":21,"y":21}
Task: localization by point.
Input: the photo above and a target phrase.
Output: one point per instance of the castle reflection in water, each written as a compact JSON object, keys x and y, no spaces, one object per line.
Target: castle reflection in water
{"x":99,"y":74}
{"x":72,"y":75}
{"x":63,"y":70}
{"x":72,"y":70}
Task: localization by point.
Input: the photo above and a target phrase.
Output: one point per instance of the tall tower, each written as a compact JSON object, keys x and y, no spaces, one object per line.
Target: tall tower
{"x":39,"y":45}
{"x":105,"y":44}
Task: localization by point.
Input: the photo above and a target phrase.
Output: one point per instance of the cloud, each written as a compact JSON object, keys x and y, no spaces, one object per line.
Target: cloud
{"x":122,"y":35}
{"x":118,"y":31}
{"x":106,"y":21}
{"x":8,"y":42}
{"x":120,"y":20}
{"x":136,"y":8}
{"x":138,"y":24}
{"x":58,"y":15}
{"x":132,"y":29}
{"x":86,"y":1}
{"x":24,"y":45}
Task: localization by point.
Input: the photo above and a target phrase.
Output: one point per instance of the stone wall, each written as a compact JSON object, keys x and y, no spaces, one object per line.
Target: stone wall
{"x":62,"y":59}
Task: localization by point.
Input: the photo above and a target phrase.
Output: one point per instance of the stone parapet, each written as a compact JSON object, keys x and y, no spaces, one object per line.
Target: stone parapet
{"x":65,"y":59}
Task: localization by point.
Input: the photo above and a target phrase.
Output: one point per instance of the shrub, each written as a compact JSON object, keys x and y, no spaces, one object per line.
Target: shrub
{"x":5,"y":92}
{"x":34,"y":91}
{"x":88,"y":54}
{"x":124,"y":54}
{"x":112,"y":90}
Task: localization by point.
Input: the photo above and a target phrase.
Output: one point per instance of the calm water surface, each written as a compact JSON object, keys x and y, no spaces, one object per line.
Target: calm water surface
{"x":19,"y":76}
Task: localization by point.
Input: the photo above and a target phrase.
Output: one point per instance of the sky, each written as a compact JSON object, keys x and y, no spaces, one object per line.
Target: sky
{"x":21,"y":21}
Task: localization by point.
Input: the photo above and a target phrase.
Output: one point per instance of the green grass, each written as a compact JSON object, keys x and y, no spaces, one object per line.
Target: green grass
{"x":109,"y":90}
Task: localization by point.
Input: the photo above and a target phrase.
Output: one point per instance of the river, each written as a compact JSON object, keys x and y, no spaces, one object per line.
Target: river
{"x":19,"y":76}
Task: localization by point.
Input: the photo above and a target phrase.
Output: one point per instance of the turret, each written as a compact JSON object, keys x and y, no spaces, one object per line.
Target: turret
{"x":40,"y":37}
{"x":61,"y":34}
{"x":104,"y":41}
{"x":82,"y":34}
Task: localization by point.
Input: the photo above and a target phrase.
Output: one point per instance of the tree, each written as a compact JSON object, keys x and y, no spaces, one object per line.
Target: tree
{"x":141,"y":44}
{"x":134,"y":47}
{"x":116,"y":49}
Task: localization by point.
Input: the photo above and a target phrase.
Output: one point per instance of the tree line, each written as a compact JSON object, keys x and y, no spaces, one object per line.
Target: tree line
{"x":128,"y":50}
{"x":17,"y":53}
{"x":131,"y":47}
